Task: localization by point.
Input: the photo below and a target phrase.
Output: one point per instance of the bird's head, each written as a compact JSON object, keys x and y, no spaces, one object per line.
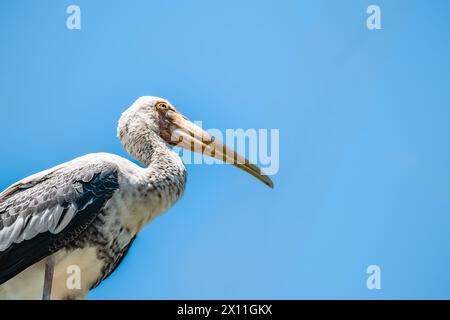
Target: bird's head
{"x":158,"y":115}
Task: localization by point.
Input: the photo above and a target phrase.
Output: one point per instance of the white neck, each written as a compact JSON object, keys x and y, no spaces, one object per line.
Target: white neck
{"x":162,"y":181}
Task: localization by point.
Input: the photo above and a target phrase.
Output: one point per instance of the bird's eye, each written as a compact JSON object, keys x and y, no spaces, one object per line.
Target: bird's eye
{"x":162,"y":106}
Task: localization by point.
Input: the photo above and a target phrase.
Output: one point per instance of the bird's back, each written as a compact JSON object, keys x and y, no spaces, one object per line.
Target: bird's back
{"x":43,"y":213}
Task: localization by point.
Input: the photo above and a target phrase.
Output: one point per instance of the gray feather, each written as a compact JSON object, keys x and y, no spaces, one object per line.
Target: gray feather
{"x":46,"y":203}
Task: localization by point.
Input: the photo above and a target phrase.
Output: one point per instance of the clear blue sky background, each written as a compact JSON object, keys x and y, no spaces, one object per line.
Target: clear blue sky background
{"x":364,"y":119}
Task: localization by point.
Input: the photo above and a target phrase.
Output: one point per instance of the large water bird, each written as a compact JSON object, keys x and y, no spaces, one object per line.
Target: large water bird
{"x":87,"y":212}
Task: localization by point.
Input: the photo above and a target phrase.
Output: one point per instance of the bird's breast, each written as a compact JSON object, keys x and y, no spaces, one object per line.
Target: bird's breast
{"x":138,"y":204}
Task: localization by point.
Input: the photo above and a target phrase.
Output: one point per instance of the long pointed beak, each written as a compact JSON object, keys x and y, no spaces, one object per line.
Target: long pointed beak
{"x":189,"y":136}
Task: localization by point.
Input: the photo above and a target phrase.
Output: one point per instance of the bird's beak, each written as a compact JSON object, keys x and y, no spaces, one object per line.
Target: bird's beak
{"x":189,"y":136}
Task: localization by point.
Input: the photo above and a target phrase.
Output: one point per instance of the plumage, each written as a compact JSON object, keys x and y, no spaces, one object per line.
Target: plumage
{"x":57,"y":208}
{"x":88,"y":211}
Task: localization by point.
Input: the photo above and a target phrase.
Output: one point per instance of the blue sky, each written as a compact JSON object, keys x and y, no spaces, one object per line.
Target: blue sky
{"x":364,"y":120}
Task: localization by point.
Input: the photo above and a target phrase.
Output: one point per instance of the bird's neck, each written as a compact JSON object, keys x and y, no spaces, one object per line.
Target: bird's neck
{"x":157,"y":187}
{"x":163,"y":166}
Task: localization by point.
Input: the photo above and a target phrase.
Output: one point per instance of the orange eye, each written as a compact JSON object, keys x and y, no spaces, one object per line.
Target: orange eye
{"x":162,"y":106}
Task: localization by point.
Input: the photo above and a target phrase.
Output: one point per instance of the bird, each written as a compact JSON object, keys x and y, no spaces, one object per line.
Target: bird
{"x":88,"y":211}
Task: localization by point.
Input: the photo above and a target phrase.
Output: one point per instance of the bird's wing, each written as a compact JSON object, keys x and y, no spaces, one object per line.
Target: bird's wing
{"x":28,"y":182}
{"x":42,"y":213}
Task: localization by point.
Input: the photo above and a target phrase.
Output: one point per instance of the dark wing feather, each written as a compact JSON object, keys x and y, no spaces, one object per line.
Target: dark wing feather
{"x":39,"y":218}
